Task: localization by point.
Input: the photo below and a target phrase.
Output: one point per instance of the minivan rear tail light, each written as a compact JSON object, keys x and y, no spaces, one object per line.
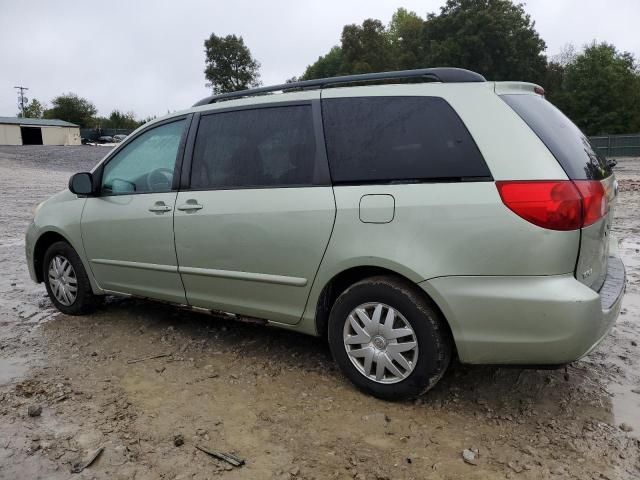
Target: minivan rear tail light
{"x":595,"y":203}
{"x":555,"y":204}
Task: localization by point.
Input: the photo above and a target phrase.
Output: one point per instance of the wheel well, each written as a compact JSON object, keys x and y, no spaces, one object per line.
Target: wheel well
{"x":44,"y":242}
{"x":344,"y":280}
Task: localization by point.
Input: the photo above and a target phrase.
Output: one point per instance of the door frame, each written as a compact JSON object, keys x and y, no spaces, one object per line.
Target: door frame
{"x":98,"y":170}
{"x":321,"y":160}
{"x":31,"y":131}
{"x":323,"y":180}
{"x":189,"y":124}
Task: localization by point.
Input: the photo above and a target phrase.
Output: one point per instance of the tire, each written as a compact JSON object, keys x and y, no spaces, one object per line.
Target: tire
{"x":84,"y":301}
{"x":421,"y":368}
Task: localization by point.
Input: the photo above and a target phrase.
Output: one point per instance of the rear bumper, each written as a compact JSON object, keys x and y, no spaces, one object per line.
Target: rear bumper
{"x":529,"y":320}
{"x":611,"y":295}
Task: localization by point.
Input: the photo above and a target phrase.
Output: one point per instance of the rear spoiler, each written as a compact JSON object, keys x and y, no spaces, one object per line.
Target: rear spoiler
{"x":502,"y":88}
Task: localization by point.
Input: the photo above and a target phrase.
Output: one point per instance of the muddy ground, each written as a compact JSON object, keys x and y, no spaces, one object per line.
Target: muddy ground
{"x":275,"y":398}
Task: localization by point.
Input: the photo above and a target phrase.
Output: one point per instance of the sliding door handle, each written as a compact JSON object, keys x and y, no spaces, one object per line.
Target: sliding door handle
{"x":189,"y":207}
{"x":159,"y":207}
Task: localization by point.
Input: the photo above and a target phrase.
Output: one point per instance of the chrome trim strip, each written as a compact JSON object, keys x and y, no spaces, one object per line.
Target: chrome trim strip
{"x":249,"y":276}
{"x":139,"y":265}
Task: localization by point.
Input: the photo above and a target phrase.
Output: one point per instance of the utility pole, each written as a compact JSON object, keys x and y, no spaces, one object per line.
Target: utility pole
{"x":22,"y":98}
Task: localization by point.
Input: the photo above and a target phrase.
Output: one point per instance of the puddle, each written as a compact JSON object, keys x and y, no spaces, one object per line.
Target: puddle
{"x":630,"y":307}
{"x":12,"y":369}
{"x":625,"y":402}
{"x":626,"y":407}
{"x":629,"y":250}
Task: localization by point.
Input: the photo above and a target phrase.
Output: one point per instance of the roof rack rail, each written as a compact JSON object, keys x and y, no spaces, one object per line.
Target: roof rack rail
{"x":440,"y":74}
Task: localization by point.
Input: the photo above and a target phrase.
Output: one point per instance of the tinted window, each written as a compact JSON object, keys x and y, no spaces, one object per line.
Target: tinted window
{"x":398,"y":138}
{"x":146,"y":164}
{"x":253,"y":148}
{"x":565,"y":141}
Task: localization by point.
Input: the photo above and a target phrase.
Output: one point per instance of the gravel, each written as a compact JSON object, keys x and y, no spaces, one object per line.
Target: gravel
{"x":275,"y":397}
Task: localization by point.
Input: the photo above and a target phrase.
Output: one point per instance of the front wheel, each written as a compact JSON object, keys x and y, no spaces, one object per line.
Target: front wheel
{"x":67,"y":281}
{"x":388,"y":339}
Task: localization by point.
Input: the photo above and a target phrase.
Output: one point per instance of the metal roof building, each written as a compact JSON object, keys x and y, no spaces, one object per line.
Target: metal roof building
{"x":38,"y":131}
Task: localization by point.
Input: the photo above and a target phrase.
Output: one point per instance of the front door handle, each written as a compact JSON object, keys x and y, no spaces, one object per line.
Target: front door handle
{"x":190,"y":206}
{"x":159,"y":207}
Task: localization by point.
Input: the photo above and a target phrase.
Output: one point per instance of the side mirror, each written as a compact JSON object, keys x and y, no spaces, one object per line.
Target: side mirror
{"x":81,"y":183}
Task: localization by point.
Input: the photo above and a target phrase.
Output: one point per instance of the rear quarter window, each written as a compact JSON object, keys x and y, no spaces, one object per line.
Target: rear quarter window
{"x":562,"y":137}
{"x":385,"y":139}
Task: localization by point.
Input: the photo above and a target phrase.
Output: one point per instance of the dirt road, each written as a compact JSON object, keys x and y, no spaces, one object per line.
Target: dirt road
{"x":274,"y":398}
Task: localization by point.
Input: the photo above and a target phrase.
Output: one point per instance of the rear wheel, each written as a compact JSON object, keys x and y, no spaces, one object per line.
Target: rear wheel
{"x":388,"y":339}
{"x":66,"y":280}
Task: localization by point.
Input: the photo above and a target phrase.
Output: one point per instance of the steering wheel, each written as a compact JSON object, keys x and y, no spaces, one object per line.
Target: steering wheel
{"x":159,"y":179}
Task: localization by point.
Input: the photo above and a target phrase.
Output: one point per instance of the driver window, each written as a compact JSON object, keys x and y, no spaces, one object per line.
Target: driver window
{"x":146,"y":164}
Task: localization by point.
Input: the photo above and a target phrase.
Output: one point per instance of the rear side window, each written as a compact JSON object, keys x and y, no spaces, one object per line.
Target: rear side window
{"x":382,"y":139}
{"x":565,"y":141}
{"x":266,"y":147}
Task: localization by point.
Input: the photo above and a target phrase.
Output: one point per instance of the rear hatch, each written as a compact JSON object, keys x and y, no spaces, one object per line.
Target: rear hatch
{"x":590,"y":173}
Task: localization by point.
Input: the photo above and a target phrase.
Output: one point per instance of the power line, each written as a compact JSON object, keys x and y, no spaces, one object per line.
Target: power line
{"x":22,"y":98}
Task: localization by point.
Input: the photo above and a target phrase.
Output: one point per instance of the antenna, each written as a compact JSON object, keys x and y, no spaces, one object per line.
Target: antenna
{"x":22,"y":98}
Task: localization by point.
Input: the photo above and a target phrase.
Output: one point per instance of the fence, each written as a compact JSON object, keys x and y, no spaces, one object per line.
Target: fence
{"x":617,"y":145}
{"x":95,"y":133}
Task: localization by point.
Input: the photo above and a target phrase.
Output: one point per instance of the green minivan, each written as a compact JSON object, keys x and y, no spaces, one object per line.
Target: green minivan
{"x":406,"y":222}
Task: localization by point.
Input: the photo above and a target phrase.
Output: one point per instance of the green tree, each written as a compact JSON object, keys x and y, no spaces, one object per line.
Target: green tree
{"x":554,"y":72}
{"x":127,"y":120}
{"x":405,"y":34}
{"x":99,"y":122}
{"x":33,"y":109}
{"x":363,"y":49}
{"x":366,"y":48}
{"x":552,"y":80}
{"x":229,"y":65}
{"x":326,"y":66}
{"x":600,"y":91}
{"x":566,"y":56}
{"x":493,"y":37}
{"x":72,"y":108}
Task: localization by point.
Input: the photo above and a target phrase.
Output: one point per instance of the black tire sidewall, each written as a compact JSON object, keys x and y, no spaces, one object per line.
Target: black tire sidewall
{"x":85,"y":299}
{"x":433,"y":346}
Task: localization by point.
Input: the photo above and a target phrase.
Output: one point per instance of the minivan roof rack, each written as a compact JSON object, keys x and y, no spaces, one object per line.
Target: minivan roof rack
{"x":439,"y":74}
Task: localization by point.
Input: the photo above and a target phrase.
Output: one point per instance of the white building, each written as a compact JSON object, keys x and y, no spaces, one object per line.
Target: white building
{"x":38,"y":131}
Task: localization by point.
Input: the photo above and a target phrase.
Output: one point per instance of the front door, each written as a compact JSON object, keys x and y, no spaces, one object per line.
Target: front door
{"x":128,"y":230}
{"x":253,"y":226}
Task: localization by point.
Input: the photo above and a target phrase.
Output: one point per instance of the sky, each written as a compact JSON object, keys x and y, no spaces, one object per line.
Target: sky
{"x":147,"y":56}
